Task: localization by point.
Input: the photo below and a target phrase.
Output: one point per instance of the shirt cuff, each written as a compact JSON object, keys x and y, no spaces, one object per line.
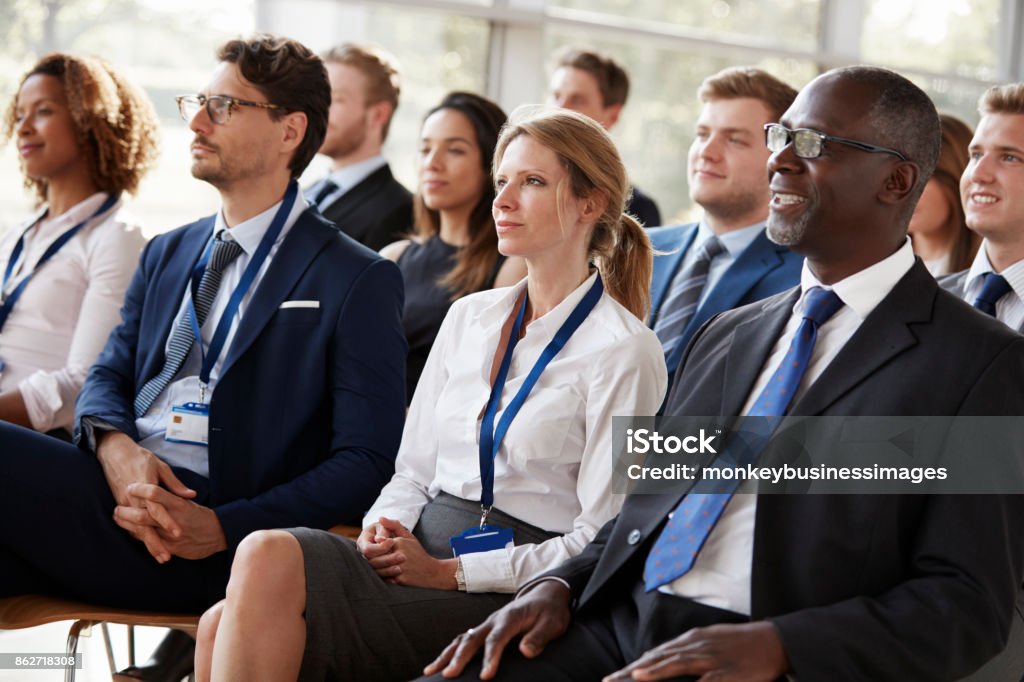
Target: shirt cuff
{"x":488,"y":571}
{"x":90,"y":427}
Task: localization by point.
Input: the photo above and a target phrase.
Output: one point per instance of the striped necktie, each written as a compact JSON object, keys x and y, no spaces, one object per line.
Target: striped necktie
{"x":681,"y":303}
{"x":224,"y":252}
{"x":680,"y":541}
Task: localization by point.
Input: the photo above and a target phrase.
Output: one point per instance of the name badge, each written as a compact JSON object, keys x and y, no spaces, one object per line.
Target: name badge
{"x":477,"y":539}
{"x":189,"y":423}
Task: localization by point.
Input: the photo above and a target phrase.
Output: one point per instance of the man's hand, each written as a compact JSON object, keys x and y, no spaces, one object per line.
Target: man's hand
{"x":541,"y":614}
{"x":124,"y":462}
{"x":196,"y":531}
{"x":751,"y":652}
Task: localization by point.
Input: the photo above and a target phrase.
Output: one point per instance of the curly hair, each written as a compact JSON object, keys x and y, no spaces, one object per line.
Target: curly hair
{"x":114,"y":121}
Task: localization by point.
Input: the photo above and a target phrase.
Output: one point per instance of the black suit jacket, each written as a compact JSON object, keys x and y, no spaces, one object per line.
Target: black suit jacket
{"x":375,"y":212}
{"x":643,"y":208}
{"x":880,"y":587}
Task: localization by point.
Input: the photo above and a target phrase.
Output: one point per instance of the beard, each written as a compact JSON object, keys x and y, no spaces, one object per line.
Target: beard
{"x":787,"y":233}
{"x":347,"y":142}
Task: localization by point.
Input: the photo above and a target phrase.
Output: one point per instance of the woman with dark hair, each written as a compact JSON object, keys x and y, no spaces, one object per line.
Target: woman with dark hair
{"x":84,"y":136}
{"x":938,"y":229}
{"x":512,"y":420}
{"x":454,"y":250}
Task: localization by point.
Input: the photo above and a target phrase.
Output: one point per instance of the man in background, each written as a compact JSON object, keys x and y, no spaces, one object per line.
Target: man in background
{"x":360,"y":195}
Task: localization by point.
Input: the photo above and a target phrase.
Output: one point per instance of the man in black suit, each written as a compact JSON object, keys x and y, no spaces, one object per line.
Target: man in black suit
{"x":595,"y":85}
{"x":825,"y":587}
{"x":360,"y":195}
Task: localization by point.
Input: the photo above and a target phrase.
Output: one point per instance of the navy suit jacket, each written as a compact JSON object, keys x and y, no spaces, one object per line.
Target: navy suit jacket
{"x":307,"y":415}
{"x":762,"y":270}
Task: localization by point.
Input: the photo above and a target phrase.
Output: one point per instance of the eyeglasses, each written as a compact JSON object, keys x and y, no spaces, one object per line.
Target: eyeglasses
{"x":808,"y":143}
{"x":218,"y":107}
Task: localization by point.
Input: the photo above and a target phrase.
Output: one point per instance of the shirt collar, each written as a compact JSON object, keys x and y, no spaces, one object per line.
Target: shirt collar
{"x":249,"y":233}
{"x":348,"y":177}
{"x":74,"y":215}
{"x":864,"y":290}
{"x":735,"y":242}
{"x":1014,"y":274}
{"x":498,"y":311}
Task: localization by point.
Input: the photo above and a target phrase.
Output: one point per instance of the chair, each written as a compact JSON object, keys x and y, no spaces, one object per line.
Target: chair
{"x":30,"y":610}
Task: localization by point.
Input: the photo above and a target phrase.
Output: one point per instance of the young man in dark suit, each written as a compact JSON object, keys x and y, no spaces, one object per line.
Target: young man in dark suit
{"x":823,"y":587}
{"x":725,"y":260}
{"x":597,"y":86}
{"x":360,"y":195}
{"x":287,"y":410}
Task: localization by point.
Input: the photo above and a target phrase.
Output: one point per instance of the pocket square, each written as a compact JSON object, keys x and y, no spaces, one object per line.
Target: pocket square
{"x":299,"y":304}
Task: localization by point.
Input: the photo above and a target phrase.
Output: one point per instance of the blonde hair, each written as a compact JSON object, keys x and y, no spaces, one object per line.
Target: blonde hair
{"x":1002,"y":99}
{"x":115,"y":123}
{"x":383,"y":82}
{"x":619,"y":246}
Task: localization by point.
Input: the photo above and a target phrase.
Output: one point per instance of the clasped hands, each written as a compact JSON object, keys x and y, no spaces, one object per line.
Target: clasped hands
{"x":153,"y":505}
{"x":399,"y":558}
{"x":750,"y":652}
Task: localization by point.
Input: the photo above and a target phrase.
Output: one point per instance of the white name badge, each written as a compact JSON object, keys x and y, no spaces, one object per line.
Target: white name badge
{"x":189,"y":423}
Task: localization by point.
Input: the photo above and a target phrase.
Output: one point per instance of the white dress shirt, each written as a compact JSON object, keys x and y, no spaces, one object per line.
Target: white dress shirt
{"x":720,"y":576}
{"x":62,"y":320}
{"x":1010,"y":308}
{"x":184,"y":387}
{"x":554,"y":467}
{"x":346,"y":178}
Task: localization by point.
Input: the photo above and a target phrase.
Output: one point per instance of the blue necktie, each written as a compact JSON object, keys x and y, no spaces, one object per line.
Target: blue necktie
{"x":681,"y":540}
{"x":224,"y":252}
{"x":992,"y":289}
{"x":325,"y":191}
{"x":681,"y":302}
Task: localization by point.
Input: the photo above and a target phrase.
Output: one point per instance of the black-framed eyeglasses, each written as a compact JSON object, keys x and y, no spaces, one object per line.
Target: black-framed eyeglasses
{"x":808,"y":143}
{"x":218,"y":107}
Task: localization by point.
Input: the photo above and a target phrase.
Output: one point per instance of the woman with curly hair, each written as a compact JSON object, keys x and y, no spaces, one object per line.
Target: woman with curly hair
{"x":84,"y":135}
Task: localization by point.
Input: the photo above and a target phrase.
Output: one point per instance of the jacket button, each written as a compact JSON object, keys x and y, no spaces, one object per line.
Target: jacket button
{"x":634,"y":537}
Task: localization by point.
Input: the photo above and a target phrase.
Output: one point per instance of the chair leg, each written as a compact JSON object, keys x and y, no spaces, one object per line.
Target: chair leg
{"x":109,"y":647}
{"x":78,"y":628}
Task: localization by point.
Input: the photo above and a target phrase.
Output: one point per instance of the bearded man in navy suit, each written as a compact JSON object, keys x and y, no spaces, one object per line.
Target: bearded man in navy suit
{"x":285,"y":411}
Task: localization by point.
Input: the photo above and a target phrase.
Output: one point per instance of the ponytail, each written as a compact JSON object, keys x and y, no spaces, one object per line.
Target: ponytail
{"x":623,"y":255}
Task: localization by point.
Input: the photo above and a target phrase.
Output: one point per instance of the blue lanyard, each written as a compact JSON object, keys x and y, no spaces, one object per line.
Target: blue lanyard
{"x":220,"y":334}
{"x":490,"y":438}
{"x":9,"y":301}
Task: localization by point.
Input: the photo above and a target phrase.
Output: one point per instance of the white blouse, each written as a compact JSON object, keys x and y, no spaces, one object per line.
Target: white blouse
{"x":554,"y":467}
{"x":62,"y":320}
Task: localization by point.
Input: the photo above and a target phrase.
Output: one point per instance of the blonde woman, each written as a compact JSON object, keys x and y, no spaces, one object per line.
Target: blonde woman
{"x":513,"y":414}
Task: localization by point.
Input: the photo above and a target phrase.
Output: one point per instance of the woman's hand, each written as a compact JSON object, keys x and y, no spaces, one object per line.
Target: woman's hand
{"x":399,"y":558}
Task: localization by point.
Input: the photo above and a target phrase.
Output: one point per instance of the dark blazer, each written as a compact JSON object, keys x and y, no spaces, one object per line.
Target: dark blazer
{"x":761,"y":270}
{"x":375,"y":212}
{"x":643,"y":208}
{"x":307,"y":415}
{"x":845,"y":577}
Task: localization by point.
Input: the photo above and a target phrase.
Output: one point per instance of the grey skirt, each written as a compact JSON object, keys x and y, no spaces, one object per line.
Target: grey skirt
{"x":359,"y":627}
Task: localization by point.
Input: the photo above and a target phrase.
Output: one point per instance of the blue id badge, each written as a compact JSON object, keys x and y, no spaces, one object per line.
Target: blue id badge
{"x":189,"y":423}
{"x":480,"y":539}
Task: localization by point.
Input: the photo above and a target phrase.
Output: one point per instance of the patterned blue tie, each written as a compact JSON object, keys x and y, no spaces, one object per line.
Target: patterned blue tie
{"x":224,"y":252}
{"x":992,"y":289}
{"x":681,"y":540}
{"x":681,"y":302}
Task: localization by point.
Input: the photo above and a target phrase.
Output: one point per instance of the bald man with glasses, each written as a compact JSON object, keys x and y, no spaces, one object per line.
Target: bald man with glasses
{"x":256,"y":380}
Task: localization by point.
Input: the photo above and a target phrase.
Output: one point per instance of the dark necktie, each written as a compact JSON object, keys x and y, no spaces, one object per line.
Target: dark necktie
{"x":992,"y":289}
{"x":224,"y":252}
{"x":681,"y":303}
{"x":676,"y":549}
{"x":325,"y":190}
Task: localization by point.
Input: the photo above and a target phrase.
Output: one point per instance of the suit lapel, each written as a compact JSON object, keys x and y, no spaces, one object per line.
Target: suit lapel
{"x":349,"y":202}
{"x":756,"y":261}
{"x":303,"y":242}
{"x":663,"y":275}
{"x":750,"y":345}
{"x":881,"y":337}
{"x":171,"y":288}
